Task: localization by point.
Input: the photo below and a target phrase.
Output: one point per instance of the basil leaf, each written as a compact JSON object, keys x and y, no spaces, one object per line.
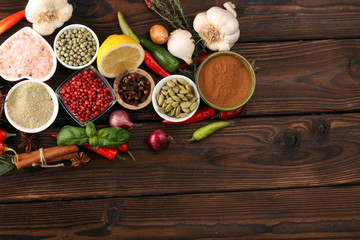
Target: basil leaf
{"x":6,"y":164}
{"x":70,"y":135}
{"x":90,"y":129}
{"x":112,"y":137}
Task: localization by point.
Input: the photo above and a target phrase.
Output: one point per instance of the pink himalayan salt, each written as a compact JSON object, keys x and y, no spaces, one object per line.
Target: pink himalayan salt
{"x":25,"y":55}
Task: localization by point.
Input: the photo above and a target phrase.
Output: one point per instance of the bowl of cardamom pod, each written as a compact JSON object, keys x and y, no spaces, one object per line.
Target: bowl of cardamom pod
{"x":175,"y":98}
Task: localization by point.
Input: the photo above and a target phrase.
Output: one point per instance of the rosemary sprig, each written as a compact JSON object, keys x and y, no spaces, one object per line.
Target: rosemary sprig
{"x":172,"y":12}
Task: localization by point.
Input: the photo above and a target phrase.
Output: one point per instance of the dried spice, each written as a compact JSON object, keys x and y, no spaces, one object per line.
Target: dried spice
{"x":80,"y":159}
{"x":134,"y":89}
{"x":27,"y":142}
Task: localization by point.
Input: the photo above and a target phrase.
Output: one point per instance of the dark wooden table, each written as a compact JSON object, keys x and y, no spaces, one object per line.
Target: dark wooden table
{"x":287,"y":168}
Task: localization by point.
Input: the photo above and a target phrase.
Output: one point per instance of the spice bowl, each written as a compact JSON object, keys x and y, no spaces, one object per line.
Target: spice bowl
{"x":76,"y":46}
{"x":134,"y":88}
{"x":175,"y":98}
{"x":225,"y":80}
{"x":86,"y":95}
{"x":27,"y":55}
{"x":31,"y":106}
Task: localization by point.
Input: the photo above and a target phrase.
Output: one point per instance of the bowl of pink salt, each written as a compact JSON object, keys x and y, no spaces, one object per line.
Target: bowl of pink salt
{"x":31,"y":106}
{"x":27,"y":55}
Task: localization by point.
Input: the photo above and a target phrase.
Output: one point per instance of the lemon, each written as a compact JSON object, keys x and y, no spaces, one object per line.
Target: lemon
{"x":117,"y":54}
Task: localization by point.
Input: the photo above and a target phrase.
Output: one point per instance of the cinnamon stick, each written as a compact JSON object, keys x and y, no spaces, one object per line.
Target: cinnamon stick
{"x":53,"y":154}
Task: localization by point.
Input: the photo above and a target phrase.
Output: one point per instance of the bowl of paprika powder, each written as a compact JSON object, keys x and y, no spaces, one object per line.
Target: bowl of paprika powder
{"x":225,"y":80}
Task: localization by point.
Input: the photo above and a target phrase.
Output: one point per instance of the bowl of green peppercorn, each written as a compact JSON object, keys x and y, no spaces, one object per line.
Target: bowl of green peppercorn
{"x":76,"y":46}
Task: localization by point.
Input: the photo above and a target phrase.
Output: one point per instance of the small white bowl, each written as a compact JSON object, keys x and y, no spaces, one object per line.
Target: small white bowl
{"x":71,"y":27}
{"x":52,"y":118}
{"x":29,"y":31}
{"x":157,"y":89}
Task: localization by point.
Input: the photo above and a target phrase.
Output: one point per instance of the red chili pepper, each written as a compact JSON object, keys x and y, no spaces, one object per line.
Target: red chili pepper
{"x":201,"y":114}
{"x":124,"y":148}
{"x":200,"y":59}
{"x":150,"y":61}
{"x":149,"y":4}
{"x":5,"y":135}
{"x":229,"y":114}
{"x":109,"y":153}
{"x":11,"y":20}
{"x":4,"y":148}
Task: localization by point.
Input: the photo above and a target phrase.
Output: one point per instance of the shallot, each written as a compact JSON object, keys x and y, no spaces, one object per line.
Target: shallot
{"x":159,"y":139}
{"x":159,"y":34}
{"x":120,"y":118}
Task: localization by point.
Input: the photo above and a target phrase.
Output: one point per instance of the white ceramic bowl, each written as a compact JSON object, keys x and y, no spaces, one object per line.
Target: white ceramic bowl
{"x":157,"y":89}
{"x":71,"y":27}
{"x":29,"y":31}
{"x":53,"y":116}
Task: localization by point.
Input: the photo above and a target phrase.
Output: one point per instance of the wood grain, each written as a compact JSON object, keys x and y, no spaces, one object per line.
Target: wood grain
{"x":275,"y":214}
{"x":251,"y":154}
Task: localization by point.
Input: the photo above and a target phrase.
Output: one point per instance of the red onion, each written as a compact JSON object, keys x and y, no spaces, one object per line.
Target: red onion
{"x":159,"y":139}
{"x":120,"y":118}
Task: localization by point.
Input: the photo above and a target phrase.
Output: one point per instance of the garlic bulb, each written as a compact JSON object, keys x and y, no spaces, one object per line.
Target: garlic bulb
{"x":219,"y":28}
{"x":181,"y":45}
{"x":47,"y":15}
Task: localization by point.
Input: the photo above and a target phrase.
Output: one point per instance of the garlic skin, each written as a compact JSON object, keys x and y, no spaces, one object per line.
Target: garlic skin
{"x":181,"y":45}
{"x":47,"y":15}
{"x":218,"y":27}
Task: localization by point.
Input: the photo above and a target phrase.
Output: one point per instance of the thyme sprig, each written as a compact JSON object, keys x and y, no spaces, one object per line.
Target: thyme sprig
{"x":172,"y":12}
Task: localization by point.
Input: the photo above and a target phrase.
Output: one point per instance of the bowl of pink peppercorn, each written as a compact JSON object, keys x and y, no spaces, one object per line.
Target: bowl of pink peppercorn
{"x":86,"y":95}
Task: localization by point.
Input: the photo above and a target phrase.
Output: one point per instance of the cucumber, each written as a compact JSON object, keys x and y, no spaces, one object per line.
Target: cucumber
{"x":162,"y":56}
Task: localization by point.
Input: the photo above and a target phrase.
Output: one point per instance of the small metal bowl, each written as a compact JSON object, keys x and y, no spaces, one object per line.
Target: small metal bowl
{"x":117,"y":86}
{"x":71,"y":27}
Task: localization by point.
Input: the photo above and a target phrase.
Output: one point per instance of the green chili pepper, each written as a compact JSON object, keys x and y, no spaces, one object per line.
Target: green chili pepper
{"x":69,"y":135}
{"x":112,"y":136}
{"x":205,"y":131}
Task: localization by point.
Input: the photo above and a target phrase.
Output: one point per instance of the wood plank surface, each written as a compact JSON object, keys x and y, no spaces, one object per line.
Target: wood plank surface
{"x":309,"y":213}
{"x":287,"y":168}
{"x":251,"y":154}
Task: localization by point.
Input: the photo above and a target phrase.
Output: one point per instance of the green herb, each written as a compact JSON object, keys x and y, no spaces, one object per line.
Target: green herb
{"x":112,"y":136}
{"x":172,"y":12}
{"x":6,"y":164}
{"x":70,"y":135}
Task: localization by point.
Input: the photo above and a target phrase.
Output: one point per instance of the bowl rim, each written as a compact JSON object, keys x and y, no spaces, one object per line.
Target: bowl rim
{"x":103,"y":79}
{"x":52,"y":118}
{"x":46,"y":77}
{"x":160,"y":84}
{"x":247,"y":65}
{"x":73,"y":26}
{"x":123,"y":74}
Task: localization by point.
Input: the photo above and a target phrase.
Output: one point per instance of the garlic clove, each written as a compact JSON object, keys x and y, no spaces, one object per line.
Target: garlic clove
{"x":201,"y":22}
{"x":181,"y":45}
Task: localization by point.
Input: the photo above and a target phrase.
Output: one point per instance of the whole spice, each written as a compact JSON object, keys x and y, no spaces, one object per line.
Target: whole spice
{"x":218,"y":27}
{"x":159,"y":34}
{"x":4,"y":148}
{"x":229,"y":114}
{"x":47,"y":15}
{"x":162,"y":56}
{"x":76,"y":47}
{"x":155,"y":66}
{"x":5,"y":135}
{"x":134,"y":89}
{"x":27,"y":142}
{"x":205,"y":131}
{"x":49,"y":155}
{"x":80,"y":159}
{"x":176,"y":98}
{"x":201,"y":114}
{"x":86,"y":95}
{"x":8,"y":22}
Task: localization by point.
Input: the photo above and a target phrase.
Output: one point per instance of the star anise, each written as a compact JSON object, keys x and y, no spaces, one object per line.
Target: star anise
{"x":27,"y":142}
{"x":80,"y":159}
